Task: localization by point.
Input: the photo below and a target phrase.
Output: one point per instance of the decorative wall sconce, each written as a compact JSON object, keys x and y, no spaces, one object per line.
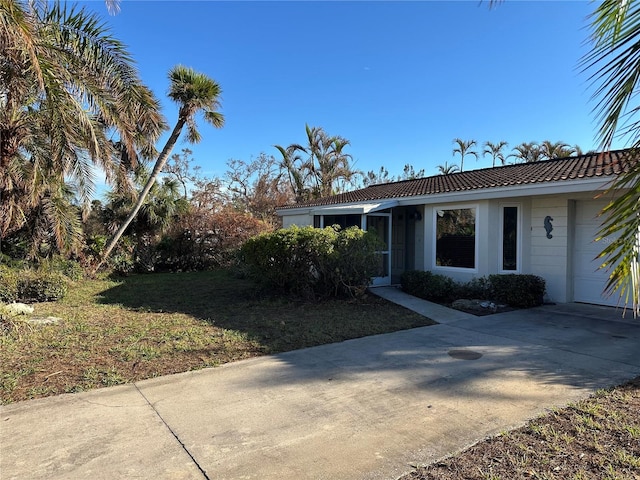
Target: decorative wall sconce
{"x":547,"y":226}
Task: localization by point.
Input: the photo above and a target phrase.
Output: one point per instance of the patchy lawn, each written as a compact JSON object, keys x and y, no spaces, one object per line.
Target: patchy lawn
{"x":594,"y":439}
{"x":143,"y":326}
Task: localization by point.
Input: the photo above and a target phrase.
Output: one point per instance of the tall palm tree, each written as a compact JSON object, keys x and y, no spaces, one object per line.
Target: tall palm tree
{"x":65,"y":85}
{"x":195,"y":93}
{"x":463,"y":149}
{"x":319,"y":169}
{"x":495,"y":150}
{"x":615,"y":65}
{"x":294,"y":165}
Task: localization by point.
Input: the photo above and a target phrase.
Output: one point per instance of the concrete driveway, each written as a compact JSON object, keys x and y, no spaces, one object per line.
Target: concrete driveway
{"x":362,"y":409}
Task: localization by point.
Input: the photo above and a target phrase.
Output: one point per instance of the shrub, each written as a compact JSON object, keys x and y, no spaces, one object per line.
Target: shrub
{"x":515,"y":290}
{"x":430,"y":286}
{"x":518,"y":290}
{"x":58,"y":264}
{"x":288,"y":259}
{"x":477,"y":288}
{"x":204,"y":239}
{"x":352,"y":263}
{"x":8,"y":285}
{"x":310,"y":262}
{"x":41,"y":286}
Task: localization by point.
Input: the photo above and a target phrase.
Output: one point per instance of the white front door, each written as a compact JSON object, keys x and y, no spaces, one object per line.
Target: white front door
{"x":380,"y":224}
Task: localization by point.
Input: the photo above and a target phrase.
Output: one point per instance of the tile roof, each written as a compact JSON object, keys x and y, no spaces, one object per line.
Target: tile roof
{"x":591,"y":165}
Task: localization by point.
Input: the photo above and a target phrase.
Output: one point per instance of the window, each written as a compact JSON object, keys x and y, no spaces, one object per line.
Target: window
{"x":456,"y":238}
{"x":345,"y":221}
{"x":510,"y":238}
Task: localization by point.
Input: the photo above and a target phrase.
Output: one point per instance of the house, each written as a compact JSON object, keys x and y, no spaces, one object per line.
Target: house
{"x":539,"y":218}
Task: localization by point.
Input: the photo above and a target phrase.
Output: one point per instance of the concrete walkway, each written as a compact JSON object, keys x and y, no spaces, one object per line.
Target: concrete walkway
{"x":362,"y":409}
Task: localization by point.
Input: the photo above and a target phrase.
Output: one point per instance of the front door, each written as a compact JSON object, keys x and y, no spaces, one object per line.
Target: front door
{"x":380,"y":224}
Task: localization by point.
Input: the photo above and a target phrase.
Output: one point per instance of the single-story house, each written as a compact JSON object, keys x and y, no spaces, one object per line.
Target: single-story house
{"x":539,"y":218}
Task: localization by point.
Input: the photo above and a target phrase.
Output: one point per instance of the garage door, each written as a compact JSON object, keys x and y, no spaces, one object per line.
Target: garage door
{"x":588,"y":280}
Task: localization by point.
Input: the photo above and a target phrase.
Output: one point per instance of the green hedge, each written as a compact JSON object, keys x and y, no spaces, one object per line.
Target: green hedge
{"x":521,"y":291}
{"x":310,"y":262}
{"x":515,"y":290}
{"x":8,"y":285}
{"x":31,"y":286}
{"x":430,"y":286}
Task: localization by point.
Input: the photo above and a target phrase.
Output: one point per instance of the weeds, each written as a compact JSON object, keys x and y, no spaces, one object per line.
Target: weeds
{"x":123,"y":330}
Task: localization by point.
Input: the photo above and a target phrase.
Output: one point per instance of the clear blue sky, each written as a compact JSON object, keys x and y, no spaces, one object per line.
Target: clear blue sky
{"x":400,"y":80}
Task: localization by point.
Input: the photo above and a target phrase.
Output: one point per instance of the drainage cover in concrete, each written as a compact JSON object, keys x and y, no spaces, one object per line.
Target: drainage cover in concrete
{"x":461,"y":354}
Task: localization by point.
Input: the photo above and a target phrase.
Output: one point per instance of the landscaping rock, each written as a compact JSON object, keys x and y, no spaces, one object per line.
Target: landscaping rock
{"x":44,"y":321}
{"x":17,"y":309}
{"x":478,"y":307}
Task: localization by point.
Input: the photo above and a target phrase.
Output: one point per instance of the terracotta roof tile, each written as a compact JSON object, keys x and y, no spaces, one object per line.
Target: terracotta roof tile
{"x":557,"y":170}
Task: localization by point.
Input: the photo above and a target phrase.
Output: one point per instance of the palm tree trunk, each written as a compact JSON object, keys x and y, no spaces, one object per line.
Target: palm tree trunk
{"x":157,"y":168}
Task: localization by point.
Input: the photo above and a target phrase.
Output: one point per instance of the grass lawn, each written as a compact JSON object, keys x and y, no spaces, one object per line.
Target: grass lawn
{"x":118,"y":331}
{"x":142,"y":326}
{"x":595,"y":439}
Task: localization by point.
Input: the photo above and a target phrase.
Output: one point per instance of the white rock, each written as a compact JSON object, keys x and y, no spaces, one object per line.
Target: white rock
{"x":18,"y":309}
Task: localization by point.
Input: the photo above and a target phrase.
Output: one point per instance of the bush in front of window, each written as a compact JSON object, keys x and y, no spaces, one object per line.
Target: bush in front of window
{"x":515,"y":290}
{"x":310,"y":262}
{"x":518,"y":290}
{"x":430,"y":286}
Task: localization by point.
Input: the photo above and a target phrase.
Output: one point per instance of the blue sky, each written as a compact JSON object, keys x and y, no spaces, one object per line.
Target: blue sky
{"x":400,"y":80}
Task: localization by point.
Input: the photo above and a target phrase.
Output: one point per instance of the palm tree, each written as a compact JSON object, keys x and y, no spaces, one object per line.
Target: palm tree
{"x":447,"y":169}
{"x":294,"y":165}
{"x":65,"y":85}
{"x":495,"y":150}
{"x":194,"y":92}
{"x":615,"y":64}
{"x":551,"y":150}
{"x":463,"y":149}
{"x":326,"y":170}
{"x":527,"y":152}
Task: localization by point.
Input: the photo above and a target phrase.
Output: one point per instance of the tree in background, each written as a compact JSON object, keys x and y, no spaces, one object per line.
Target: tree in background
{"x":526,"y":152}
{"x":447,"y":169}
{"x":495,"y":150}
{"x":464,"y":149}
{"x":67,"y":87}
{"x":297,"y":172}
{"x":258,"y":187}
{"x":376,"y":178}
{"x":180,"y":167}
{"x":382,"y":176}
{"x":320,"y":168}
{"x":551,"y":150}
{"x":164,"y":206}
{"x":194,"y":93}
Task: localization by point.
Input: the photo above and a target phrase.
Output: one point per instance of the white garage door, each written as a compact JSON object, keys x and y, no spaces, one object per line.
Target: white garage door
{"x":588,"y":280}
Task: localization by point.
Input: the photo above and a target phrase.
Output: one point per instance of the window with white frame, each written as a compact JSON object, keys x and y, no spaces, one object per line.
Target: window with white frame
{"x":455,"y":230}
